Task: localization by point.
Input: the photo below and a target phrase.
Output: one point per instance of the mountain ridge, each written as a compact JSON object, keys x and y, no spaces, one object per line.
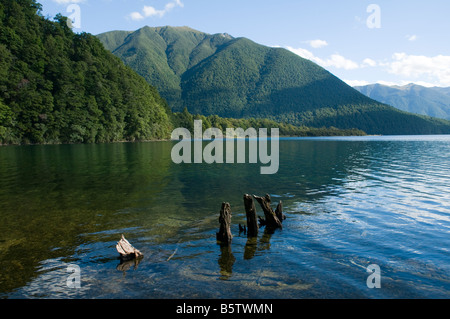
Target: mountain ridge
{"x":167,"y":56}
{"x":430,"y":101}
{"x":216,"y":74}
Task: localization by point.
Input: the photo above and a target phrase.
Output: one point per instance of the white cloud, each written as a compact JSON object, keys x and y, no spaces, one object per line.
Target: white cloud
{"x":356,"y":82}
{"x":67,"y":1}
{"x":316,"y":44}
{"x":400,"y":68}
{"x":149,"y":11}
{"x":436,"y":69}
{"x":369,"y":62}
{"x":417,"y":69}
{"x":335,"y":60}
{"x":340,"y":62}
{"x":304,"y":53}
{"x":411,"y":37}
{"x":136,"y":16}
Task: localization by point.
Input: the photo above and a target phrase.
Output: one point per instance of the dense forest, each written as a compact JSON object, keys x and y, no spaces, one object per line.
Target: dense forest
{"x":60,"y":87}
{"x":57,"y":86}
{"x":186,"y":120}
{"x":216,"y":74}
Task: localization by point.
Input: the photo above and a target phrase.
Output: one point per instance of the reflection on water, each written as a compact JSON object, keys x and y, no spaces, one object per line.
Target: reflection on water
{"x":125,"y":265}
{"x":226,"y":261}
{"x":349,"y":202}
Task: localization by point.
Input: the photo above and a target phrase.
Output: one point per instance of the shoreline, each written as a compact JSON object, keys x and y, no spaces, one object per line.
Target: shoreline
{"x":168,"y":140}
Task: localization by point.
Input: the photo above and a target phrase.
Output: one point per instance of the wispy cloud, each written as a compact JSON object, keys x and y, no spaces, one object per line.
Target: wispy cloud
{"x":316,"y":44}
{"x":369,"y":62}
{"x":411,"y":37}
{"x":436,"y":69}
{"x":356,"y":82}
{"x":409,"y":68}
{"x":149,"y":11}
{"x":68,"y":1}
{"x":335,"y":60}
{"x":418,"y":69}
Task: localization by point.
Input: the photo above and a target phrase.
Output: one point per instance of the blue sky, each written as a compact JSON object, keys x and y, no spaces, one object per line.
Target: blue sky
{"x":361,"y":42}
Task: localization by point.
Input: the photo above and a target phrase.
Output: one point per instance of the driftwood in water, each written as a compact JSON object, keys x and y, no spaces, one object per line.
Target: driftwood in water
{"x":252,"y":223}
{"x":224,"y":235}
{"x":271,"y":220}
{"x":126,"y":250}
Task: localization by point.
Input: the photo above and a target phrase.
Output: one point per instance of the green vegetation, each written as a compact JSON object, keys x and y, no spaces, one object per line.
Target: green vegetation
{"x":186,"y":120}
{"x":60,"y":87}
{"x":237,"y":78}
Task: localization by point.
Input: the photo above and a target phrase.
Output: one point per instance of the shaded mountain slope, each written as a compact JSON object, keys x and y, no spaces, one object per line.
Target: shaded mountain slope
{"x":216,"y":74}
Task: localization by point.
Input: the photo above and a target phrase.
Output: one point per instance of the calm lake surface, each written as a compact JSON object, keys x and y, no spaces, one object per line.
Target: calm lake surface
{"x":350,"y":202}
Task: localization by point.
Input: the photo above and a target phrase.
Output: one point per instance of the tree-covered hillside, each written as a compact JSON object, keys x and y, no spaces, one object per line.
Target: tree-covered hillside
{"x":163,"y":55}
{"x":235,"y":77}
{"x":60,"y":87}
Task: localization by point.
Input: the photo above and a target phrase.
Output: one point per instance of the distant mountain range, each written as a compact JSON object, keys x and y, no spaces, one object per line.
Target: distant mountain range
{"x":431,"y":101}
{"x":217,"y":74}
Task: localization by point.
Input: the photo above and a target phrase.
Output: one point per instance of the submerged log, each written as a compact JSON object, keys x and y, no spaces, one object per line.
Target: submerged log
{"x":126,"y":250}
{"x":252,"y":223}
{"x":224,"y":235}
{"x":271,"y":219}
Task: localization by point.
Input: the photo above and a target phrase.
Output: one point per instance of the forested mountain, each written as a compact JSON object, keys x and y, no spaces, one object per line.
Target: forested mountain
{"x":60,"y":87}
{"x":431,"y":101}
{"x":235,"y":77}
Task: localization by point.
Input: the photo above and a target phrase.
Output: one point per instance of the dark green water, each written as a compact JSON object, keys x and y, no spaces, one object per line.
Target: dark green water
{"x":350,"y":203}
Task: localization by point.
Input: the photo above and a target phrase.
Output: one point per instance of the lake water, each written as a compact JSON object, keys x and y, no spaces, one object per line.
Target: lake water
{"x":350,"y":202}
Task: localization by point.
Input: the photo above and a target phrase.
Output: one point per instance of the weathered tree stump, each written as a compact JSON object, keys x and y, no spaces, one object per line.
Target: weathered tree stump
{"x":252,"y":223}
{"x":279,"y":212}
{"x":271,"y":220}
{"x":262,"y":221}
{"x":224,"y":235}
{"x":126,"y":250}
